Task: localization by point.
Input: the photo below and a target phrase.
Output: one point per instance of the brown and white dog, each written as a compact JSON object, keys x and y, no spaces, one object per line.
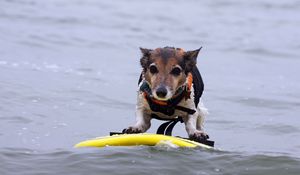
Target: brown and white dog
{"x":170,"y":86}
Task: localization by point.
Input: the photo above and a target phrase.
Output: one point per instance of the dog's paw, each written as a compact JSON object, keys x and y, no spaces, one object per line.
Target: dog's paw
{"x":131,"y":130}
{"x":198,"y":136}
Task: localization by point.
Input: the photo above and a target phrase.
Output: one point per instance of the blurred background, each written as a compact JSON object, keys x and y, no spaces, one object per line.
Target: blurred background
{"x":69,"y":70}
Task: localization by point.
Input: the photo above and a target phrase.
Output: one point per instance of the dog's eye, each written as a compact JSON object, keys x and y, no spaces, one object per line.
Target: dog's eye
{"x":176,"y":71}
{"x":153,"y":69}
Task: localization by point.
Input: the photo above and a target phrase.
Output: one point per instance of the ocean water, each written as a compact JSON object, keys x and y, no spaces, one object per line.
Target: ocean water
{"x":69,"y":71}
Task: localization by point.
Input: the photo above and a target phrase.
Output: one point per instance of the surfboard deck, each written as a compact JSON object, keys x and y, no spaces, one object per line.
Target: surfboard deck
{"x":145,"y":139}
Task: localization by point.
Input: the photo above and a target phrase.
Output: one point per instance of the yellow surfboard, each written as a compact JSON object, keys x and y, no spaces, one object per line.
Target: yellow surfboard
{"x":139,"y":139}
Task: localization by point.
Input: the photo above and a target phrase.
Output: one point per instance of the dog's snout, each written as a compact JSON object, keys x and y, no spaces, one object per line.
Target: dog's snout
{"x":161,"y":92}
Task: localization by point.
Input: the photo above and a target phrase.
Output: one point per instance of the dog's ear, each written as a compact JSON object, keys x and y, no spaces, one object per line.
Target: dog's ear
{"x":190,"y":59}
{"x":145,"y":60}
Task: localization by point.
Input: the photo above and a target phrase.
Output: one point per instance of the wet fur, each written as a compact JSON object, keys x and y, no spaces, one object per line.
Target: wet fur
{"x":165,"y":59}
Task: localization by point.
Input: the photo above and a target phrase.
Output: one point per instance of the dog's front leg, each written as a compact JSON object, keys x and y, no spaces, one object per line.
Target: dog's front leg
{"x":190,"y":125}
{"x":142,"y":118}
{"x":142,"y":123}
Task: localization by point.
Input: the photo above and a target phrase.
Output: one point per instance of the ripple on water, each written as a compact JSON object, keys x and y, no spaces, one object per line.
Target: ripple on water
{"x":16,"y":119}
{"x":264,"y":103}
{"x":143,"y":160}
{"x":281,"y":129}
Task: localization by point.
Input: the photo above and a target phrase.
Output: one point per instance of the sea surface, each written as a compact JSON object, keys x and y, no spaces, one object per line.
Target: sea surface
{"x":69,"y":71}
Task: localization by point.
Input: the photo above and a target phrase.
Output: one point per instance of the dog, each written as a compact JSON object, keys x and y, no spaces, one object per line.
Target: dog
{"x":170,"y":86}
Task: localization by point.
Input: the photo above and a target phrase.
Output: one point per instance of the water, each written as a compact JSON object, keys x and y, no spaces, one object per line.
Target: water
{"x":69,"y":71}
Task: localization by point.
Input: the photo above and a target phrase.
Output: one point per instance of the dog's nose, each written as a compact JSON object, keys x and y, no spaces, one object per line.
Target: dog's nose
{"x":161,"y":92}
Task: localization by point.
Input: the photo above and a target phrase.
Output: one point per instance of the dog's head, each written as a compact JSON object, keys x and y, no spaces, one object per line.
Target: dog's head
{"x":166,"y":69}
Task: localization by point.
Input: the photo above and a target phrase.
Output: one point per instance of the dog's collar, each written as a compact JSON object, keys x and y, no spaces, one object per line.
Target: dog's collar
{"x":168,"y":107}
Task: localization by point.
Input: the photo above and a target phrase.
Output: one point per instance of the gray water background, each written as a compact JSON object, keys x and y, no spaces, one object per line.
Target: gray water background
{"x":69,"y":71}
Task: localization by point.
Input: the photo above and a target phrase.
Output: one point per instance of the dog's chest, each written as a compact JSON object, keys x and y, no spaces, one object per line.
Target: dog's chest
{"x":187,"y":103}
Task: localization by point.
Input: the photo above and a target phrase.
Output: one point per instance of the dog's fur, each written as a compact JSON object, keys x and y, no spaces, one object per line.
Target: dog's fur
{"x":159,"y":71}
